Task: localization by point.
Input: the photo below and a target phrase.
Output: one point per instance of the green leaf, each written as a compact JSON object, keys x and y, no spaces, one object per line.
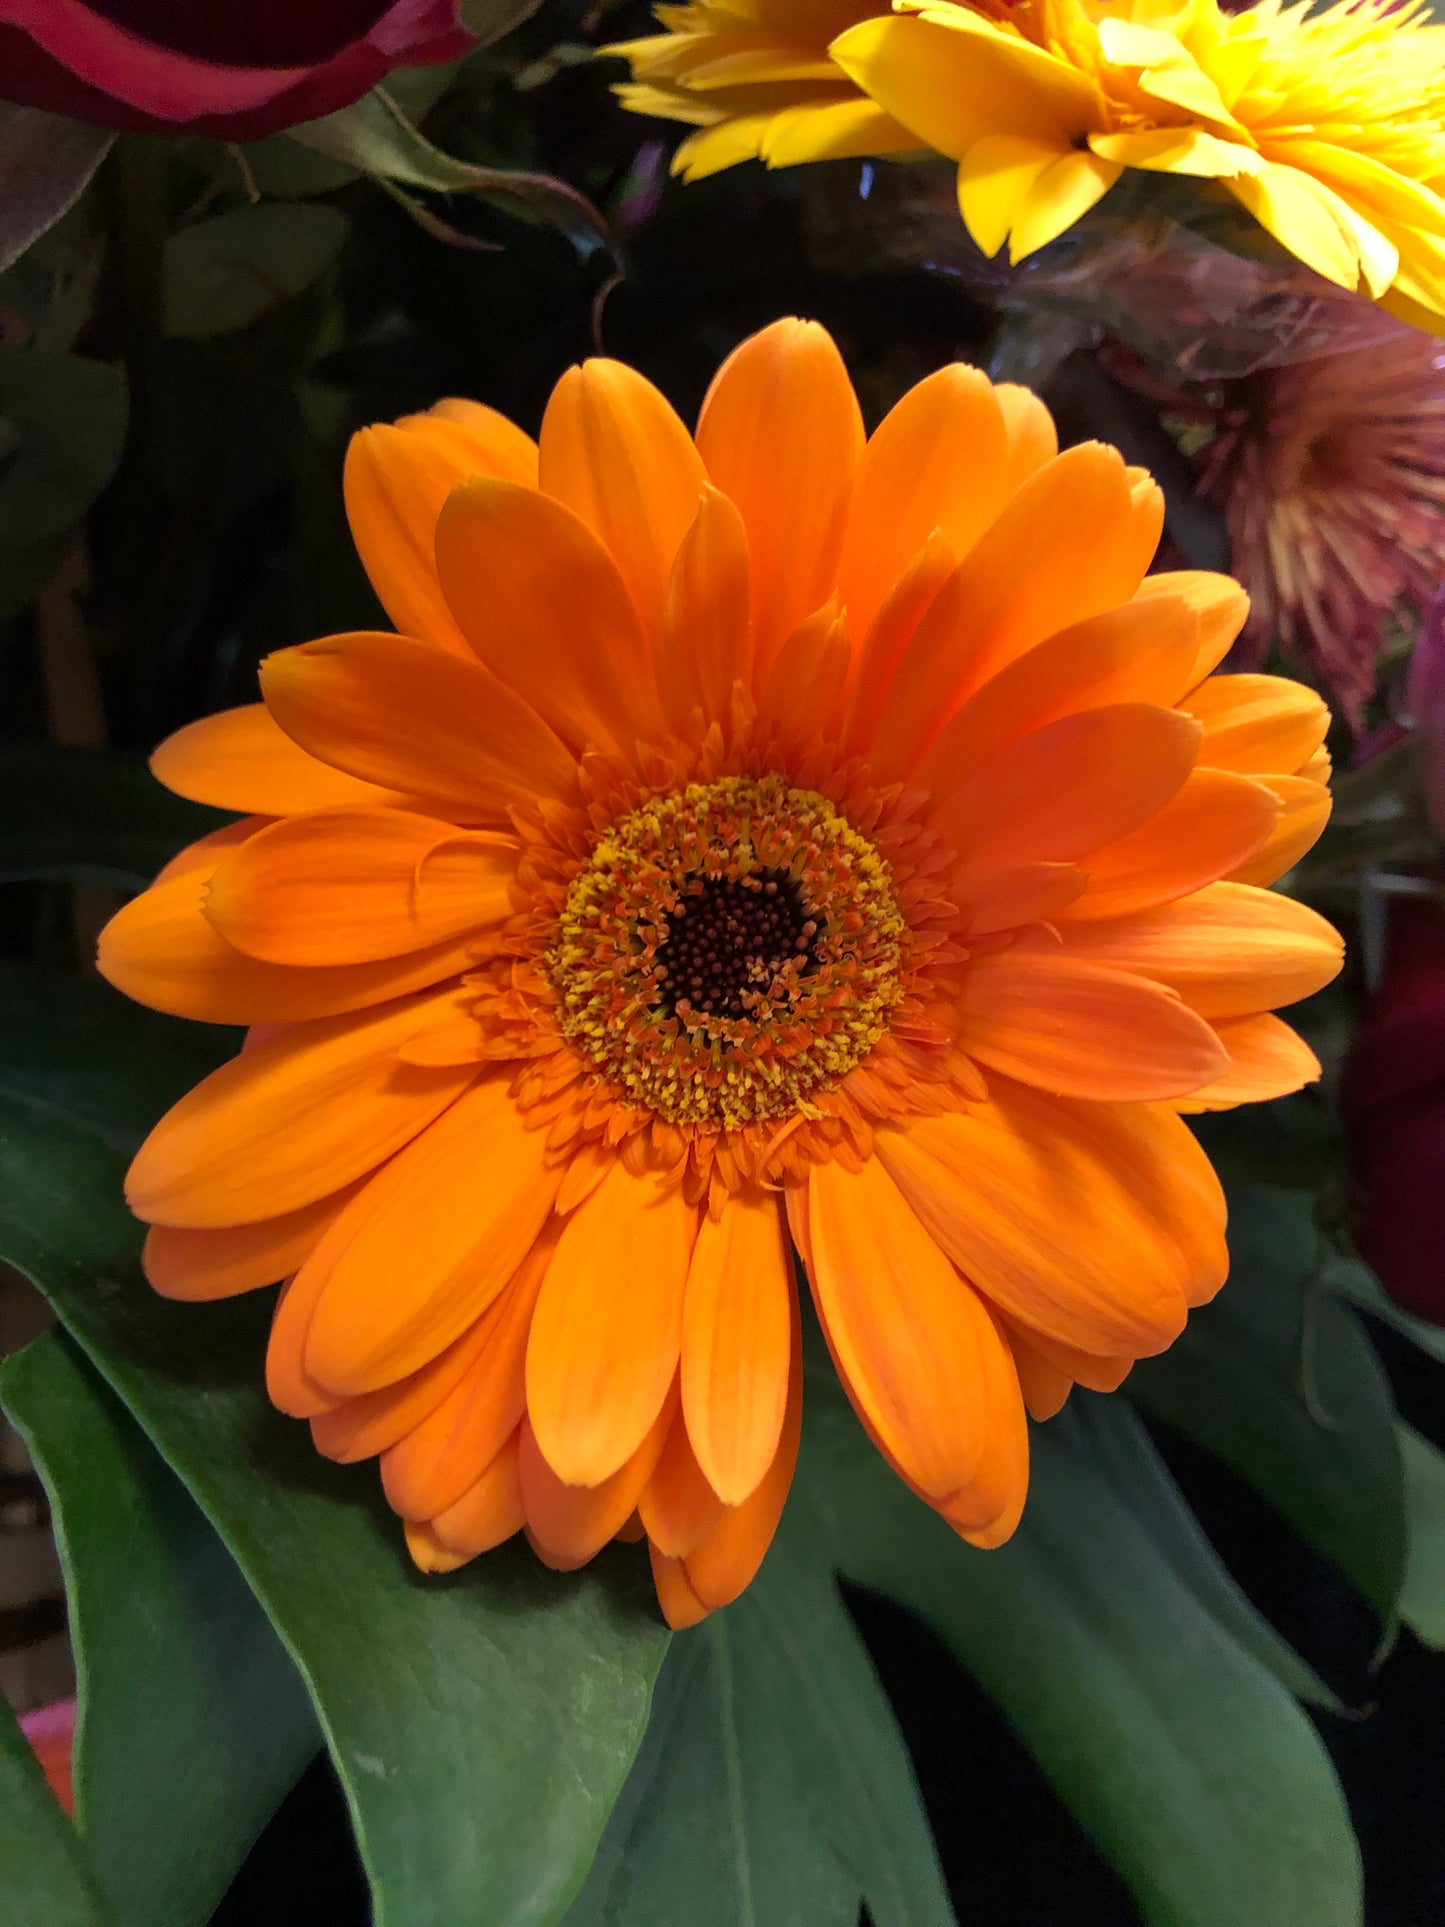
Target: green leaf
{"x":90,"y":816}
{"x":490,"y":19}
{"x":375,"y":136}
{"x":1422,"y":1601}
{"x":1355,"y":1281}
{"x":1278,"y":1378}
{"x":43,"y":1876}
{"x":1182,"y":1755}
{"x":773,"y":1786}
{"x":1124,"y":1456}
{"x":224,"y":273}
{"x":46,"y":163}
{"x":62,"y":424}
{"x":77,"y":1049}
{"x":481,"y":1724}
{"x":190,"y":1707}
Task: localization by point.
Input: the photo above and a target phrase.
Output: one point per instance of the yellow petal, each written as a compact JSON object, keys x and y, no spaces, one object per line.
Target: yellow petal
{"x":995,"y":179}
{"x":1061,"y":195}
{"x":954,"y":80}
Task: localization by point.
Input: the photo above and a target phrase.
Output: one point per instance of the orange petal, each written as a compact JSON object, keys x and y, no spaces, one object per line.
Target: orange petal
{"x":1072,"y":787}
{"x":1304,"y":812}
{"x":289,"y":1386}
{"x":360,"y":1427}
{"x":678,"y":1507}
{"x":890,"y":632}
{"x":735,"y":1343}
{"x":1257,"y":725}
{"x":913,"y":1342}
{"x":987,"y":1510}
{"x":390,"y":708}
{"x":430,"y":1242}
{"x":1071,"y":543}
{"x":802,"y":696}
{"x":1220,"y":606}
{"x":680,"y":1605}
{"x":1200,"y":835}
{"x":489,"y":1511}
{"x":937,"y":460}
{"x":396,"y":480}
{"x":1229,"y":950}
{"x":615,"y":453}
{"x":1095,"y":1224}
{"x":292,"y":1120}
{"x":1052,"y":1364}
{"x":242,"y":760}
{"x":570,"y":1524}
{"x":1266,"y":1059}
{"x":1029,"y":427}
{"x":608,"y":1327}
{"x":781,"y":434}
{"x":1135,"y":654}
{"x":499,"y":447}
{"x":432,"y":1462}
{"x":206,"y":852}
{"x":428,"y":1554}
{"x":160,"y":949}
{"x":708,"y":642}
{"x":724,"y":1564}
{"x":1083,"y":1031}
{"x":199,"y":1265}
{"x":1008,"y":896}
{"x":1045,"y":1386}
{"x":354,"y":886}
{"x":542,"y":603}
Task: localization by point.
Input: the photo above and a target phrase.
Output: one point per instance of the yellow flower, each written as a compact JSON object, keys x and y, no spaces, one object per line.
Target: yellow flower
{"x":1327,"y":127}
{"x":755,"y":78}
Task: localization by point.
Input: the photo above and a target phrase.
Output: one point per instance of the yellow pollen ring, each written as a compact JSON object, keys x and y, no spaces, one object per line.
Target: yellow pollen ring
{"x":737,"y":862}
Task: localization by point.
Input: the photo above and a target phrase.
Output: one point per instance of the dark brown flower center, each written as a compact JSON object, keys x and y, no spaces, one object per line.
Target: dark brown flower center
{"x":727,"y":940}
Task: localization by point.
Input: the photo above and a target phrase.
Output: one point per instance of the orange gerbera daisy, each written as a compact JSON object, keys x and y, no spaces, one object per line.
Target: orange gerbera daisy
{"x":778,"y":832}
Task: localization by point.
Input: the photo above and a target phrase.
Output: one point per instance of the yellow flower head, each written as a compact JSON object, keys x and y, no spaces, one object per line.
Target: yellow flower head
{"x":755,"y":78}
{"x":1327,"y":127}
{"x":767,"y":838}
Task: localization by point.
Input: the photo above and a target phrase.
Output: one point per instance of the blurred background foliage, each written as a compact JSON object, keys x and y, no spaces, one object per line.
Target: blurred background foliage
{"x":1210,"y":1661}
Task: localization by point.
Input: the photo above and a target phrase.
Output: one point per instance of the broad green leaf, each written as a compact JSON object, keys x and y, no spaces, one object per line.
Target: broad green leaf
{"x":482,"y":1724}
{"x":62,"y":423}
{"x":1185,"y":1758}
{"x":223,"y":273}
{"x":189,"y":1706}
{"x":90,"y":816}
{"x":77,"y":1049}
{"x":46,"y":162}
{"x":490,"y":19}
{"x":1422,"y":1601}
{"x":773,"y":1786}
{"x":375,"y":136}
{"x":1355,"y":1281}
{"x":281,"y":169}
{"x":1278,"y":1379}
{"x":43,"y":1877}
{"x":1125,"y":1457}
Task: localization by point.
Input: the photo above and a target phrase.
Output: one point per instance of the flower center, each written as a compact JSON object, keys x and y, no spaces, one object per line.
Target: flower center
{"x":728,"y":952}
{"x":729,"y":939}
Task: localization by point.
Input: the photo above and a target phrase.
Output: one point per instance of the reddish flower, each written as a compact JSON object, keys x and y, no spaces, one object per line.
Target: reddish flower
{"x":51,"y":1733}
{"x":236,"y":69}
{"x":1331,"y":474}
{"x":1393,"y":1099}
{"x":1425,"y":700}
